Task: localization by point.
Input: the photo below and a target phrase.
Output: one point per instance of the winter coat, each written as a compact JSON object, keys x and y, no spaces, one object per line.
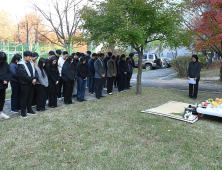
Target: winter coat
{"x":5,"y":75}
{"x":13,"y":68}
{"x":105,"y":60}
{"x":121,"y":67}
{"x":82,"y":70}
{"x":53,"y":75}
{"x":111,"y":68}
{"x":68,"y":74}
{"x":25,"y":75}
{"x":194,"y":70}
{"x":99,"y":68}
{"x":91,"y":68}
{"x":42,"y":80}
{"x":129,"y":69}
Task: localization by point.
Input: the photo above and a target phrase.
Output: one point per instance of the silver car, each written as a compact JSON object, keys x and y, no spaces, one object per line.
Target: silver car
{"x":149,"y":61}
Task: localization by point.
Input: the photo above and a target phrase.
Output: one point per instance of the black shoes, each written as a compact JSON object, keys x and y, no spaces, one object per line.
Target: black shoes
{"x":102,"y":96}
{"x":31,"y":113}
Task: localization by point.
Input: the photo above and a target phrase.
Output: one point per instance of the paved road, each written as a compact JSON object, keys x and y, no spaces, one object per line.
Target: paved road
{"x":154,"y":79}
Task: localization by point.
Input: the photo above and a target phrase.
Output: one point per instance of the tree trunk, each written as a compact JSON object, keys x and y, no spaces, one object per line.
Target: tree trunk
{"x":138,"y":86}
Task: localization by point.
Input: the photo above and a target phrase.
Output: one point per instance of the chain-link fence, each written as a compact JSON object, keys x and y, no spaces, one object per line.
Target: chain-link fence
{"x":12,"y":48}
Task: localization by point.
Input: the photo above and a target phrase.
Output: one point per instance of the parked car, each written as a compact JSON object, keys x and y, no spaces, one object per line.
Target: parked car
{"x":168,"y":61}
{"x":149,"y":61}
{"x":164,"y":63}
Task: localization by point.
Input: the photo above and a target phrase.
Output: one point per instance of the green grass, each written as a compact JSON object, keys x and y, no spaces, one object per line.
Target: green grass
{"x":135,"y":70}
{"x":112,"y":133}
{"x":210,"y":73}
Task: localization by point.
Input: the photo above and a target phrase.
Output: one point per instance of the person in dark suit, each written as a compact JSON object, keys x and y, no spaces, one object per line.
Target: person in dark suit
{"x":69,"y":75}
{"x":53,"y":75}
{"x":15,"y":86}
{"x":91,"y":73}
{"x":99,"y":75}
{"x":116,"y":78}
{"x":122,"y":73}
{"x":129,"y":72}
{"x":131,"y":55}
{"x":5,"y":76}
{"x":28,"y":77}
{"x":75,"y":62}
{"x":194,"y":72}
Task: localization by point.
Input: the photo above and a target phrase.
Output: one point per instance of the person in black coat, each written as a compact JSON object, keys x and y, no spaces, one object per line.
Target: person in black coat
{"x":69,"y":74}
{"x":91,"y":73}
{"x":122,"y":73}
{"x":15,"y":86}
{"x":82,"y":71}
{"x":53,"y":75}
{"x":194,"y":72}
{"x":27,"y":78}
{"x":5,"y":76}
{"x":129,"y":72}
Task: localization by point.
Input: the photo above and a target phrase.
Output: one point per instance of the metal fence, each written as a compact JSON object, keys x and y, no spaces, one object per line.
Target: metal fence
{"x":12,"y":48}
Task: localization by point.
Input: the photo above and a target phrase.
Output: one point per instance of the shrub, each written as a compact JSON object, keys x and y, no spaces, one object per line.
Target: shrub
{"x":202,"y":59}
{"x":181,"y":64}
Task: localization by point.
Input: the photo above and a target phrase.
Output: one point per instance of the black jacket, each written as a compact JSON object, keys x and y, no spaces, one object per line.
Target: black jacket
{"x":24,"y":78}
{"x":68,"y":74}
{"x":53,"y":75}
{"x":82,"y":70}
{"x":121,"y":67}
{"x":132,"y":62}
{"x":194,"y":70}
{"x":105,"y":60}
{"x":5,"y":75}
{"x":13,"y":68}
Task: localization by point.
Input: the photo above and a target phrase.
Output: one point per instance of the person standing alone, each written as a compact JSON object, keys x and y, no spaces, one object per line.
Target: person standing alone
{"x":194,"y":72}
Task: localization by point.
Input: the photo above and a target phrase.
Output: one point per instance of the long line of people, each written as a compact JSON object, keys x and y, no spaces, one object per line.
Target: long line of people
{"x":60,"y":76}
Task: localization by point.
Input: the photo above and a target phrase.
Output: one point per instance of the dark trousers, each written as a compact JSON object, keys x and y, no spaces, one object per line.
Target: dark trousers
{"x":61,"y":84}
{"x":68,"y":92}
{"x":16,"y":95}
{"x":91,"y":86}
{"x":27,"y":92}
{"x":41,"y":96}
{"x":121,"y":82}
{"x":2,"y":99}
{"x":81,"y":88}
{"x":99,"y":87}
{"x":128,"y":82}
{"x":34,"y":96}
{"x":53,"y":99}
{"x":110,"y":84}
{"x":116,"y":81}
{"x":193,"y":89}
{"x":105,"y":81}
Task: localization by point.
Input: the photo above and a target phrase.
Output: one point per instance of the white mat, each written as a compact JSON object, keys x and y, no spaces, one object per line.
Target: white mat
{"x":172,"y":110}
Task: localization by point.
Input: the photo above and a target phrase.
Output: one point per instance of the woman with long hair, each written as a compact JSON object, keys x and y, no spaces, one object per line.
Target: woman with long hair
{"x":69,"y":74}
{"x":82,"y":71}
{"x":5,"y":76}
{"x":53,"y":74}
{"x":41,"y":85}
{"x":15,"y":86}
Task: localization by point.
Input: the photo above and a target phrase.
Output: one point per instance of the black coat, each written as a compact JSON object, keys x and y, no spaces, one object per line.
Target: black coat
{"x":24,"y":78}
{"x":53,"y":75}
{"x":68,"y":74}
{"x":194,"y":70}
{"x":105,"y":60}
{"x":82,"y":70}
{"x":5,"y":75}
{"x":121,"y":67}
{"x":13,"y":68}
{"x":132,"y":62}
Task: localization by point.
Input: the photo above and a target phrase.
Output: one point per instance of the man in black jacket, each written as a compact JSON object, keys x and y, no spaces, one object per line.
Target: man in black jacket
{"x":131,"y":55}
{"x":106,"y":59}
{"x":27,"y":79}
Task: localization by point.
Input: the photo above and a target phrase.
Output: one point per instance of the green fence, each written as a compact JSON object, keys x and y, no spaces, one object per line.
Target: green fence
{"x":12,"y":48}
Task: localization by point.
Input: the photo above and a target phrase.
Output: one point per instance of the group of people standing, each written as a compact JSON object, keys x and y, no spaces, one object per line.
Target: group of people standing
{"x":40,"y":82}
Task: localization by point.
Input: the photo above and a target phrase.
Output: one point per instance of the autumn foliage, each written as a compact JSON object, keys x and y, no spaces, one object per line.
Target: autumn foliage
{"x":209,"y":25}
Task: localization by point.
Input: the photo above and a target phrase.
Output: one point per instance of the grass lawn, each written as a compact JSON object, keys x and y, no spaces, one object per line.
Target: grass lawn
{"x":112,"y":133}
{"x":135,"y":70}
{"x":210,"y":73}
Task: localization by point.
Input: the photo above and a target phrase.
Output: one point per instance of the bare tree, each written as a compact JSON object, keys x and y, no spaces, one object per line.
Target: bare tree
{"x":63,"y":18}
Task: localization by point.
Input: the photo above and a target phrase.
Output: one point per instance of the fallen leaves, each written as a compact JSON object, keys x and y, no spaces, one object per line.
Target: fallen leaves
{"x":30,"y":153}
